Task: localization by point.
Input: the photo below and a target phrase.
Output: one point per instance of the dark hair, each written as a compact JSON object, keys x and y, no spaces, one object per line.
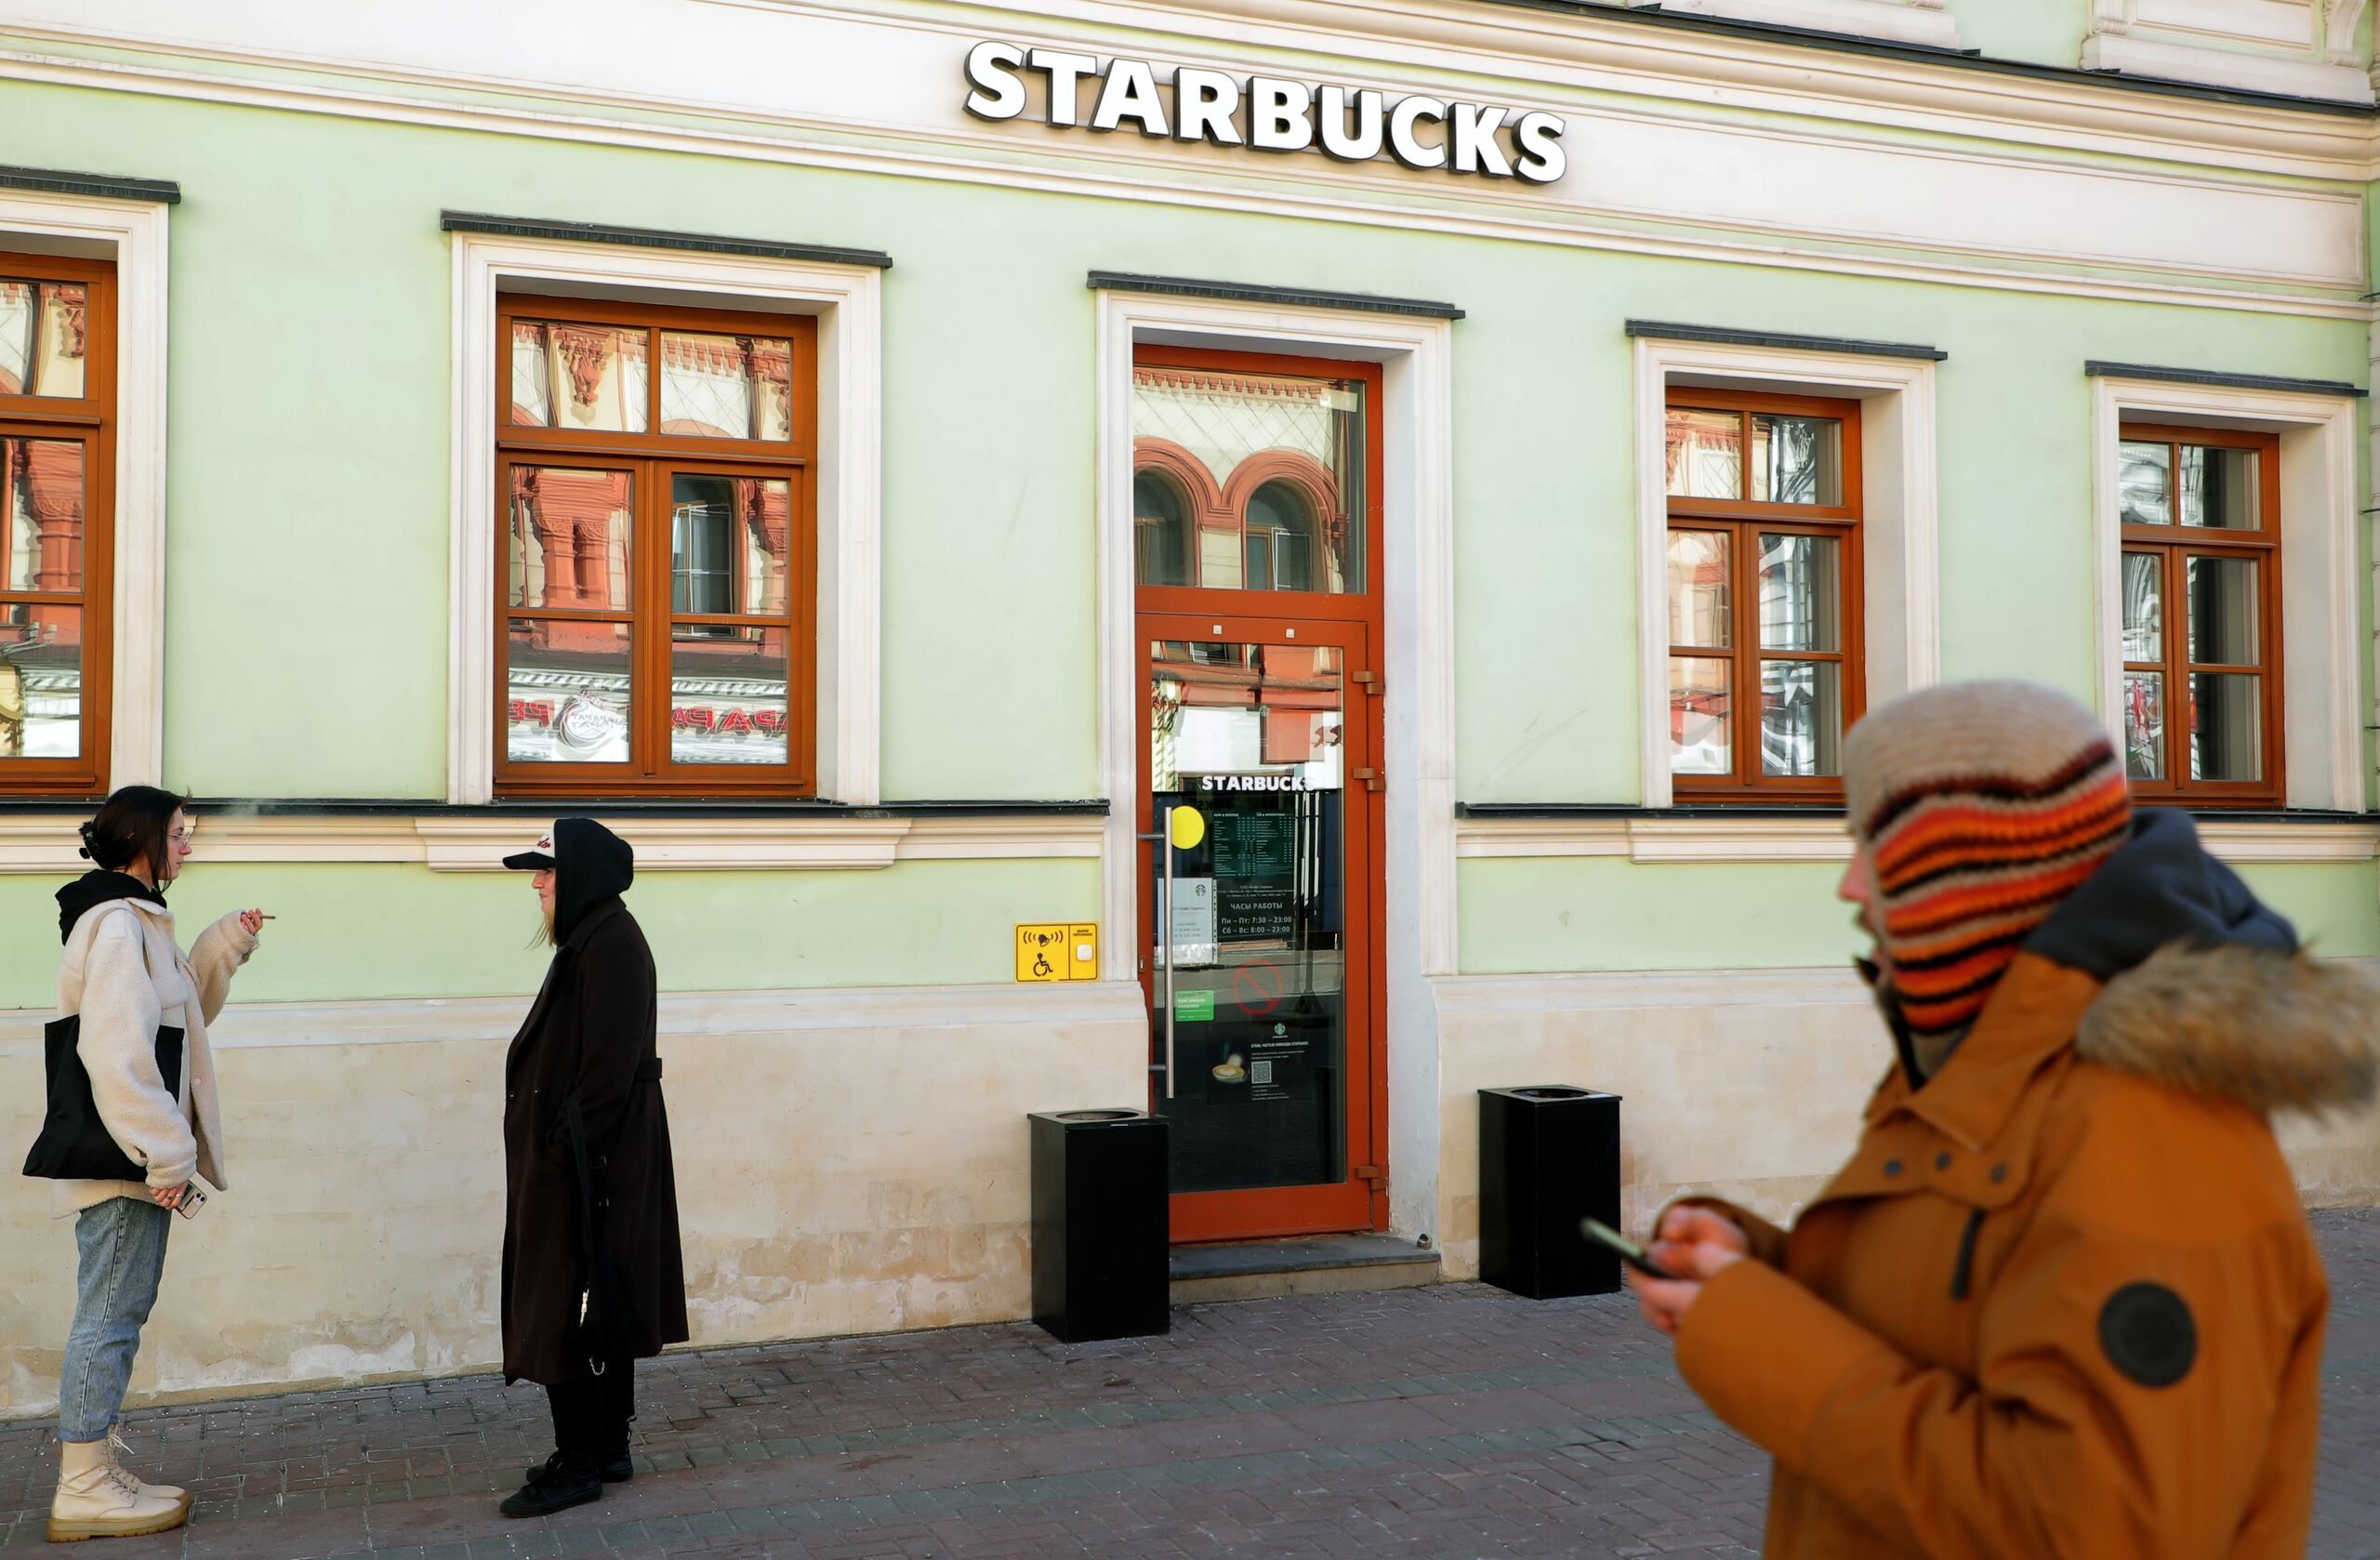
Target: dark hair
{"x":133,"y":823}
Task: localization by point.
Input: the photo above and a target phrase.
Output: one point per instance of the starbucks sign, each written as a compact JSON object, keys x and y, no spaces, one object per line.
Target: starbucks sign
{"x":1264,"y":114}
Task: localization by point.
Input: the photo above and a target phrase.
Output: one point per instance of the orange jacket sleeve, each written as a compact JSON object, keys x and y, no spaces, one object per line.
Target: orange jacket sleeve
{"x":2056,"y":1448}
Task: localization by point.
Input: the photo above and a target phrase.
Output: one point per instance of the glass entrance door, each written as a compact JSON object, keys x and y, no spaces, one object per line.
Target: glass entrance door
{"x":1259,"y":942}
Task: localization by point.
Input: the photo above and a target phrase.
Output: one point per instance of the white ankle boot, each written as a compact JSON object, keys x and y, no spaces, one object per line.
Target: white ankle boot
{"x":118,"y":1451}
{"x":97,"y":1500}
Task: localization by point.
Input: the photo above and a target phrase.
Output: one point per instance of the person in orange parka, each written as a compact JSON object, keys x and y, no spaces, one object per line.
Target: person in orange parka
{"x":2063,"y":1301}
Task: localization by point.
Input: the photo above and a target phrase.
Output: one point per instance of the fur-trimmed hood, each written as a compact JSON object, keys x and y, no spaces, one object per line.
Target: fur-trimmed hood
{"x":2206,"y":987}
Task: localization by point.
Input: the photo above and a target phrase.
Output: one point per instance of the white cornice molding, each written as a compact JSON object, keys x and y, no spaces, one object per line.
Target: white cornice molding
{"x":1575,"y":49}
{"x":44,"y":844}
{"x":1624,"y":58}
{"x":1653,"y":839}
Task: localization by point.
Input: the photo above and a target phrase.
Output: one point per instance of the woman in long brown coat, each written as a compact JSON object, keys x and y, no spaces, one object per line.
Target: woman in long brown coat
{"x":593,"y":1279}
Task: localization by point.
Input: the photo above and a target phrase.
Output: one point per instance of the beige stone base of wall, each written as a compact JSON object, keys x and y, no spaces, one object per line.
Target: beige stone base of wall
{"x":1745,"y":1083}
{"x":848,"y":1161}
{"x":855,"y":1161}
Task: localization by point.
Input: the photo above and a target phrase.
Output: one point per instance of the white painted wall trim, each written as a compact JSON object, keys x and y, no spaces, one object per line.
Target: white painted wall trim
{"x":1749,"y":839}
{"x":1890,"y":210}
{"x":1905,"y":22}
{"x":1417,"y":572}
{"x":2176,"y":56}
{"x":43,"y":844}
{"x":132,"y":234}
{"x":847,"y":302}
{"x":432,"y":1019}
{"x":1576,"y":51}
{"x":1900,"y":516}
{"x":2320,"y":523}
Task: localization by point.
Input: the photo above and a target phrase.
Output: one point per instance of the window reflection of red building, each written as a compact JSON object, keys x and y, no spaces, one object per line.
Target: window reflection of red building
{"x":1279,"y":519}
{"x":57,"y":385}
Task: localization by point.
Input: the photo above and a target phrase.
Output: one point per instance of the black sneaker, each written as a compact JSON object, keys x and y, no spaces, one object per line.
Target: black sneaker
{"x":568,"y":1479}
{"x":614,"y":1469}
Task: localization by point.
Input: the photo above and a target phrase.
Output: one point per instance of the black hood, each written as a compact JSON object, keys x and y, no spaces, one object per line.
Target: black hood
{"x":92,"y":889}
{"x":2160,"y":887}
{"x":593,"y":868}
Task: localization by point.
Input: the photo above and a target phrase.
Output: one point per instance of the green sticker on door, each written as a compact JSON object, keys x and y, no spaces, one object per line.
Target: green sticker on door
{"x":1193,"y":1006}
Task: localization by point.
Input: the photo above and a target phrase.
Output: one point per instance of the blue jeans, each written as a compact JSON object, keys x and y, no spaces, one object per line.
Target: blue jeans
{"x":123,"y":1247}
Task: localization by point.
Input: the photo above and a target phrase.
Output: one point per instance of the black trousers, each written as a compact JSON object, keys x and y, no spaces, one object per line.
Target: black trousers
{"x":592,"y":1414}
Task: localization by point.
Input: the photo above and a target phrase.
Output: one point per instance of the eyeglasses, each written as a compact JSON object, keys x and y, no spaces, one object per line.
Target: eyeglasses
{"x":182,"y":836}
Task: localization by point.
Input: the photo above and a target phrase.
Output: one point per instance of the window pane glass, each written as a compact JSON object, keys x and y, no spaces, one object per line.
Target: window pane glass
{"x":41,"y":514}
{"x":1281,"y":531}
{"x":567,"y":694}
{"x":2144,"y":606}
{"x":2223,"y":612}
{"x":2144,"y":725}
{"x":41,"y":681}
{"x":2220,"y":489}
{"x":1293,"y":445}
{"x":726,"y":387}
{"x":2227,"y":726}
{"x":727,"y":694}
{"x":566,"y":537}
{"x":1801,"y":605}
{"x":728,"y":543}
{"x":590,"y":377}
{"x":45,"y":335}
{"x":1705,"y":453}
{"x":1796,"y":460}
{"x":1700,"y":735}
{"x":1699,"y":588}
{"x":1801,"y":718}
{"x":2144,"y":483}
{"x":1160,"y":530}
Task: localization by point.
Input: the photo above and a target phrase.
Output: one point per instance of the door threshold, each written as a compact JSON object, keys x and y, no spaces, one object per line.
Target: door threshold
{"x":1315,"y":1264}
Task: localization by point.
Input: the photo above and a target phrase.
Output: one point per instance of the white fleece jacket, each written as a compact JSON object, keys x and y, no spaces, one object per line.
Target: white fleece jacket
{"x":126,"y":975}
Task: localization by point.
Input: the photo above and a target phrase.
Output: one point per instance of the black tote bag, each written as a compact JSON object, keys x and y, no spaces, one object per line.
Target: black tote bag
{"x":74,"y":1144}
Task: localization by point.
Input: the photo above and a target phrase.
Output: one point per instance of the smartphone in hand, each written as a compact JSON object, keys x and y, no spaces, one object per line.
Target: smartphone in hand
{"x":1630,"y":1252}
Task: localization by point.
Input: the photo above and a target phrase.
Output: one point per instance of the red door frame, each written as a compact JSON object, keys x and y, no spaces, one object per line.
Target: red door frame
{"x":1353,"y":622}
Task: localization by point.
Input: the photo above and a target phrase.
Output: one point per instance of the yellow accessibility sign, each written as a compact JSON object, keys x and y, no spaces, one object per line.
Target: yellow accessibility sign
{"x":1057,"y":951}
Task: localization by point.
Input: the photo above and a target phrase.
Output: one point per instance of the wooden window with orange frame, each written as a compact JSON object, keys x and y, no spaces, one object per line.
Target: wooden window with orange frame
{"x":2200,"y":510}
{"x":1763,"y":594}
{"x":655,"y":575}
{"x":58,"y":410}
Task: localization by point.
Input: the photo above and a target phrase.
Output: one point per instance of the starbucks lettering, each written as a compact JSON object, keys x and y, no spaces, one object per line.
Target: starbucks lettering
{"x":1266,"y":114}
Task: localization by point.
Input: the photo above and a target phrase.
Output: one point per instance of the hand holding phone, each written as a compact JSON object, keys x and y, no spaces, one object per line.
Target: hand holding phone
{"x":1630,"y":1252}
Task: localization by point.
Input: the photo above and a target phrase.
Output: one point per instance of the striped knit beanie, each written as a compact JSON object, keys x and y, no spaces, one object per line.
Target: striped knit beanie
{"x":1982,"y":805}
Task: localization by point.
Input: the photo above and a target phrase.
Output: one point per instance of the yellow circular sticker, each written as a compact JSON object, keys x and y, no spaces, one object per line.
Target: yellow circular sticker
{"x":1189,"y":826}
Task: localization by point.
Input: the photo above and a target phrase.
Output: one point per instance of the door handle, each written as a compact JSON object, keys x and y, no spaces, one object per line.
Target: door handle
{"x":1164,"y":849}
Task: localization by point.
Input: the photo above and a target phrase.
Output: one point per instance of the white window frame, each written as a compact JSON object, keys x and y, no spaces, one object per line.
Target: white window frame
{"x":848,"y":304}
{"x":132,"y":235}
{"x":1898,"y":516}
{"x":2321,"y":665}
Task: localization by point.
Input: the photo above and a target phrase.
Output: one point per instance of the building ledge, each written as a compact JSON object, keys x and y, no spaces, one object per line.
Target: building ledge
{"x":1518,"y":831}
{"x":673,"y":838}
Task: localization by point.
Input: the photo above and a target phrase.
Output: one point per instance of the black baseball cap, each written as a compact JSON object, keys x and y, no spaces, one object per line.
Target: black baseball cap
{"x":540,"y":860}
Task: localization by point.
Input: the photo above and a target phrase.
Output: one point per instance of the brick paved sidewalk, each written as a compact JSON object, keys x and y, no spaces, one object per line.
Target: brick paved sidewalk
{"x":1448,"y":1422}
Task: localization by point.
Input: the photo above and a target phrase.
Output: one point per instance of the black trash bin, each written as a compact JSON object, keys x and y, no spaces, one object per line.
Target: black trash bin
{"x":1099,"y":1223}
{"x":1549,"y":1157}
